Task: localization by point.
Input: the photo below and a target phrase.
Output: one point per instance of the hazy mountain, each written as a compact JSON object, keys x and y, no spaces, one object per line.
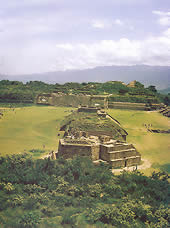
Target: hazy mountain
{"x":148,"y":75}
{"x":165,"y":91}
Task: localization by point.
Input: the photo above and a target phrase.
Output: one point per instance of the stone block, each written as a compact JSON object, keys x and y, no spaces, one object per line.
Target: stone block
{"x":117,"y":163}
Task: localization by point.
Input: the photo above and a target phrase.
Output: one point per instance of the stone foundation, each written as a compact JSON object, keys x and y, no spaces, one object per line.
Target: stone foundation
{"x":70,"y":149}
{"x":118,"y":154}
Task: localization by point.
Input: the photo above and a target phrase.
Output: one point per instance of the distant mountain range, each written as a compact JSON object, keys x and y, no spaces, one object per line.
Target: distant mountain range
{"x":148,"y":75}
{"x":165,"y":91}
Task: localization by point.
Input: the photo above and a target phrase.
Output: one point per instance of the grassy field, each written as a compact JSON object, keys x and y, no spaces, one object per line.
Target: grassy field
{"x":34,"y":128}
{"x":152,"y":146}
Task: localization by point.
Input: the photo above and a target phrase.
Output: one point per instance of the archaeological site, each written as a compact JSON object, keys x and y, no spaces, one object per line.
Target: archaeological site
{"x":90,"y":131}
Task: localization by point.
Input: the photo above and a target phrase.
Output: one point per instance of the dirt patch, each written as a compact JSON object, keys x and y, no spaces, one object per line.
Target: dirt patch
{"x":145,"y":165}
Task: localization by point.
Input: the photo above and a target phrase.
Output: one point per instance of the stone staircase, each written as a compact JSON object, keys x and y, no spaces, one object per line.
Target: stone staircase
{"x":120,"y":154}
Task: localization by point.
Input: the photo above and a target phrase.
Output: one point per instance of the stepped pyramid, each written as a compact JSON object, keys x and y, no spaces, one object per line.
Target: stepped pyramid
{"x":119,"y":154}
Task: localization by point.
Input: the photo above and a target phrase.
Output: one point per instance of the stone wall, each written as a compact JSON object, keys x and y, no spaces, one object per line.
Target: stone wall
{"x":44,"y":99}
{"x":88,"y":109}
{"x":116,"y":147}
{"x":95,"y":151}
{"x":117,"y":154}
{"x":131,"y":161}
{"x":127,"y":105}
{"x":72,"y":100}
{"x":120,"y":155}
{"x":69,"y":150}
{"x":118,"y":163}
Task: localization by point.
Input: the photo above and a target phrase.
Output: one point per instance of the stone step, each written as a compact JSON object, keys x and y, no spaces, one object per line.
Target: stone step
{"x":118,"y":151}
{"x":132,"y":157}
{"x":130,"y":161}
{"x":113,"y":147}
{"x":122,"y":154}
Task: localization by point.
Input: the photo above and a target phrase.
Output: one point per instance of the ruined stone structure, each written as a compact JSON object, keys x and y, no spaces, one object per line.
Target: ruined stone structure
{"x":165,"y":111}
{"x":102,"y":113}
{"x":132,"y":84}
{"x":103,"y":101}
{"x":68,"y":148}
{"x":118,"y":154}
{"x":98,"y":144}
{"x":88,"y":109}
{"x":133,"y":106}
{"x":60,"y":99}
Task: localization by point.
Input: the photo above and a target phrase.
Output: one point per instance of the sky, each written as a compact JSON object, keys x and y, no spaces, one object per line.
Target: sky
{"x":56,"y":35}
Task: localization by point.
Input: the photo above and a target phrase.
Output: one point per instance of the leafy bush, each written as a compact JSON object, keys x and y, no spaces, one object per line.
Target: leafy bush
{"x":29,"y":220}
{"x":71,"y":192}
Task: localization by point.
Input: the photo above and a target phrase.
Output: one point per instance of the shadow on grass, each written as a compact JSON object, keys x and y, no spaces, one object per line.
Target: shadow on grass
{"x":165,"y":167}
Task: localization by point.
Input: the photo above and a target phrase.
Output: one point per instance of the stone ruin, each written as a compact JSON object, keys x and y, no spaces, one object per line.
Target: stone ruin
{"x":165,"y":111}
{"x":88,"y":109}
{"x":102,"y":148}
{"x":97,"y":145}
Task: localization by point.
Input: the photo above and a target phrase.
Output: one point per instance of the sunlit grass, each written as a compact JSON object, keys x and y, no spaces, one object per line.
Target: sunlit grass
{"x":36,"y":127}
{"x":153,"y":146}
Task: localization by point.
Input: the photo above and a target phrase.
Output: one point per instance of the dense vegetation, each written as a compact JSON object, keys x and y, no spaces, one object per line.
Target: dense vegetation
{"x":46,"y":193}
{"x":15,"y":91}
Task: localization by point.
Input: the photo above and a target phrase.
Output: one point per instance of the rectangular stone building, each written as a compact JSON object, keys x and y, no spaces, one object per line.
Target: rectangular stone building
{"x":118,"y":154}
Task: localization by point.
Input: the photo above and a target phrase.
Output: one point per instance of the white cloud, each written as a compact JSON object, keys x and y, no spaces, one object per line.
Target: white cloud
{"x":105,"y":24}
{"x":164,"y":21}
{"x":43,"y":56}
{"x":161,"y":13}
{"x":167,"y":33}
{"x":118,"y":22}
{"x":66,"y":46}
{"x":164,"y":17}
{"x":40,"y":35}
{"x":99,"y":24}
{"x":151,"y":51}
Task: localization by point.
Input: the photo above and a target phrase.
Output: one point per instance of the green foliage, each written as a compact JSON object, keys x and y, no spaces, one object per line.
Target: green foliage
{"x":14,"y":91}
{"x":139,"y":85}
{"x":17,"y":92}
{"x":152,"y":89}
{"x":45,"y":193}
{"x":166,"y":100}
{"x":29,"y":220}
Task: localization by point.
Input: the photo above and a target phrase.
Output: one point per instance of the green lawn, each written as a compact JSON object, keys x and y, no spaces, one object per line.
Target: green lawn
{"x":28,"y":128}
{"x":152,"y":146}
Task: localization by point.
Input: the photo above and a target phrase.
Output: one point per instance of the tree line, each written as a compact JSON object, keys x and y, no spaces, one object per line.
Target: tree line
{"x":18,"y":92}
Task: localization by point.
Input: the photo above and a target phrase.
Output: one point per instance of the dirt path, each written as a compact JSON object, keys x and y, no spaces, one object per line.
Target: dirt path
{"x":146,"y":164}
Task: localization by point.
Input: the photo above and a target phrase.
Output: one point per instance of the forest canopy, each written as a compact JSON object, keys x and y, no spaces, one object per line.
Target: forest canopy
{"x":18,"y":92}
{"x":47,"y":193}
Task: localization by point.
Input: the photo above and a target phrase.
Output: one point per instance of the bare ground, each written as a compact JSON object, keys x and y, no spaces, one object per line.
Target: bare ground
{"x":146,"y":164}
